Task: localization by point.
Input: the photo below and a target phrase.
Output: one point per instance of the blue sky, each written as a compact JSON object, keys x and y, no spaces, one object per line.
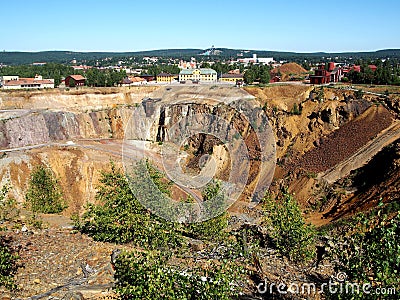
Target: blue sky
{"x":130,"y":25}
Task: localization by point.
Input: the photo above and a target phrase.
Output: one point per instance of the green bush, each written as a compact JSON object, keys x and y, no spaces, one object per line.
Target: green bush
{"x":141,"y":275}
{"x":119,"y":217}
{"x":292,"y":236}
{"x":7,"y":266}
{"x":8,"y":205}
{"x":212,"y":229}
{"x":359,"y":94}
{"x":368,"y":251}
{"x":44,"y":193}
{"x":214,"y":204}
{"x":296,"y":110}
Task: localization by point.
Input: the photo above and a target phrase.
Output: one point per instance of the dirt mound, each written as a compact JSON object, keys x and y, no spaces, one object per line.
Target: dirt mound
{"x":285,"y":91}
{"x":290,"y":68}
{"x":345,"y":141}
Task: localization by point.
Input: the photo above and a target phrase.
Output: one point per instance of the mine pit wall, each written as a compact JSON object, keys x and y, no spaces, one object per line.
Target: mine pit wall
{"x":198,"y":113}
{"x":77,"y":168}
{"x":41,"y":127}
{"x":101,"y":116}
{"x":47,"y":117}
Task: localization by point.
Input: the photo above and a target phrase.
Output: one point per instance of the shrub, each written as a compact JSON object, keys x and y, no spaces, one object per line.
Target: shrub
{"x":296,"y":110}
{"x":211,"y":190}
{"x":7,"y":266}
{"x":44,"y":193}
{"x":292,"y":236}
{"x":35,"y":221}
{"x":142,"y":275}
{"x":212,"y":229}
{"x":368,"y":252}
{"x":320,"y":94}
{"x":8,"y":205}
{"x":119,"y":217}
{"x":358,"y":94}
{"x":214,"y":198}
{"x":214,"y":204}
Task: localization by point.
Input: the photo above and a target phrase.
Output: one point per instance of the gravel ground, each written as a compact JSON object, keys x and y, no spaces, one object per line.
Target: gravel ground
{"x":344,"y":142}
{"x":60,"y":264}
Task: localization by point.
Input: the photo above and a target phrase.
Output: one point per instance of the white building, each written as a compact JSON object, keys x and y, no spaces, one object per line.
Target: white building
{"x":256,"y":60}
{"x":16,"y":83}
{"x":187,"y":65}
{"x":7,"y":78}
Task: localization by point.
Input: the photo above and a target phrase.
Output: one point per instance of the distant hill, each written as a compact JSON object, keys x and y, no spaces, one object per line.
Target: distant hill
{"x":17,"y":58}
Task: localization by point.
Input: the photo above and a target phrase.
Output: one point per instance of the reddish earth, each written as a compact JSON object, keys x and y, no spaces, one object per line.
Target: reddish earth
{"x":383,"y":186}
{"x":345,"y":141}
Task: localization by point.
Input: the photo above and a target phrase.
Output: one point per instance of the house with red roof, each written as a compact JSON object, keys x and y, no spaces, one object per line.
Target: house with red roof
{"x":17,"y":83}
{"x":75,"y":80}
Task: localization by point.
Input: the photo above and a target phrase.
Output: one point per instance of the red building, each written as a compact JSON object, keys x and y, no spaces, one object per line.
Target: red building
{"x":275,"y":79}
{"x":331,"y":66}
{"x":373,"y":68}
{"x":321,"y":76}
{"x":78,"y":80}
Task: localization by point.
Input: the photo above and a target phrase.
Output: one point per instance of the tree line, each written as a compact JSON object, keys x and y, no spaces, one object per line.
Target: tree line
{"x":157,"y":69}
{"x":387,"y":72}
{"x":99,"y":78}
{"x":260,"y":73}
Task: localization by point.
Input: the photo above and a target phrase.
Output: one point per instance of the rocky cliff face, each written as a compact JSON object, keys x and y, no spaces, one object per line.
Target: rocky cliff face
{"x":60,"y":138}
{"x":29,"y":128}
{"x":204,"y":121}
{"x":34,"y":124}
{"x":77,"y":169}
